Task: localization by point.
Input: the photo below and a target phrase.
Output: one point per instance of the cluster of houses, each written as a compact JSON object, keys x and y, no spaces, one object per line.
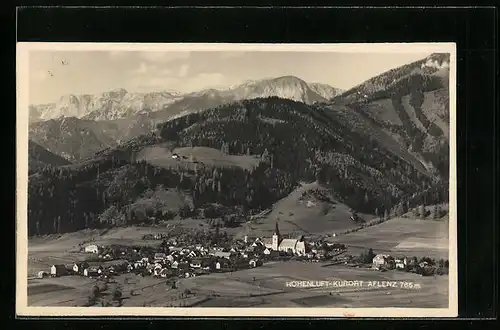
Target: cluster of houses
{"x":426,"y":266}
{"x":170,"y":259}
{"x":180,"y":262}
{"x":278,"y":246}
{"x":163,"y":262}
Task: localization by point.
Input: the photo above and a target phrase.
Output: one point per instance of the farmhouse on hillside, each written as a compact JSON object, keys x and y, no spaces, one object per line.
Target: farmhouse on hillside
{"x":92,"y":248}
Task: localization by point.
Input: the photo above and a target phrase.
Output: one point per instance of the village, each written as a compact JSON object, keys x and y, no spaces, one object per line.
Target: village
{"x":175,"y":258}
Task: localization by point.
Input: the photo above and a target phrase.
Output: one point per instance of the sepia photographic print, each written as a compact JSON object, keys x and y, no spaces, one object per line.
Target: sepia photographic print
{"x":236,"y":180}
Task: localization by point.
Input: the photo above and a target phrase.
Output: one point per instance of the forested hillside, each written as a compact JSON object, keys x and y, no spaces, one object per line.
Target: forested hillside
{"x":294,"y":142}
{"x":39,"y":157}
{"x":411,"y":104}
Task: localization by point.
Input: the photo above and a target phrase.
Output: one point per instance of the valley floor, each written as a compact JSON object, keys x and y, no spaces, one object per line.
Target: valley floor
{"x":263,"y":286}
{"x":259,"y":287}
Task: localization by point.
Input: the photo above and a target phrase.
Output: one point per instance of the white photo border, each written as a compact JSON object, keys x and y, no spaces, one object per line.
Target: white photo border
{"x":22,"y":87}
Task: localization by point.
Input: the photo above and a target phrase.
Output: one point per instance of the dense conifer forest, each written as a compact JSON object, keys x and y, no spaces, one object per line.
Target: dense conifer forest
{"x":293,"y":142}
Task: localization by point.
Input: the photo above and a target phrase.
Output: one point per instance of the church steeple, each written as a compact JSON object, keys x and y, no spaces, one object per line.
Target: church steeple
{"x":276,"y":239}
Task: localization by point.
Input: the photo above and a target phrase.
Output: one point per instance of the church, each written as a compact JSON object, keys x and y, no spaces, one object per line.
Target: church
{"x":278,"y":243}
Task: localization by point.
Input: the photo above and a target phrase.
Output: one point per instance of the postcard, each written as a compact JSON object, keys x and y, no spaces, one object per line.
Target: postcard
{"x":236,"y":180}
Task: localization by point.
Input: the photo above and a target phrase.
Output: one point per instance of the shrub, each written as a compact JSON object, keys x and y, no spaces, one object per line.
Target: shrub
{"x":325,"y":208}
{"x":117,"y":294}
{"x":91,"y":301}
{"x":95,"y":291}
{"x":103,"y":286}
{"x":367,"y":257}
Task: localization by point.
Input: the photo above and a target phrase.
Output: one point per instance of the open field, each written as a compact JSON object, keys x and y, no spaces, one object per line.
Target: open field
{"x":263,"y":286}
{"x":160,"y":155}
{"x":269,"y":289}
{"x":299,"y":215}
{"x":384,"y":111}
{"x":405,"y":236}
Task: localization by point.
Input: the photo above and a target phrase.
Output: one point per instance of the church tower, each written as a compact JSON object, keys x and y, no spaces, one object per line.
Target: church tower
{"x":277,"y":229}
{"x":275,"y":242}
{"x":276,"y":237}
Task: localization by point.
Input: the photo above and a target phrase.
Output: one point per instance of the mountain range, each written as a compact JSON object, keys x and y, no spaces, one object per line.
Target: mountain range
{"x":120,"y":103}
{"x":382,"y":145}
{"x":109,"y":118}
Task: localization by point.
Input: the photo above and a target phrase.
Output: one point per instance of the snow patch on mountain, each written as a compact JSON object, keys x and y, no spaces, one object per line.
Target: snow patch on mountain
{"x":325,"y":90}
{"x":119,"y":103}
{"x":110,"y":105}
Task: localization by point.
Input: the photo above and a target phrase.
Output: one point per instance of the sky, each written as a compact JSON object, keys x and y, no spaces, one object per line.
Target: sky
{"x":91,"y":72}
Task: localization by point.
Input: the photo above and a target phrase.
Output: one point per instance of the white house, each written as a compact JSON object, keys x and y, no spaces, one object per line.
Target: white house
{"x":79,"y":267}
{"x":157,"y":271}
{"x":379,"y":260}
{"x":221,"y":254}
{"x":58,"y":270}
{"x":195,"y":263}
{"x":160,"y":256}
{"x":42,"y":274}
{"x":92,"y":248}
{"x":423,"y":264}
{"x":175,"y":264}
{"x":269,"y":243}
{"x":217,"y":265}
{"x":400,"y":263}
{"x":90,"y":272}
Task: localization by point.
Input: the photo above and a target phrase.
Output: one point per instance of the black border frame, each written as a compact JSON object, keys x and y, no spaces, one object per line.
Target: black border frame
{"x":474,"y":30}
